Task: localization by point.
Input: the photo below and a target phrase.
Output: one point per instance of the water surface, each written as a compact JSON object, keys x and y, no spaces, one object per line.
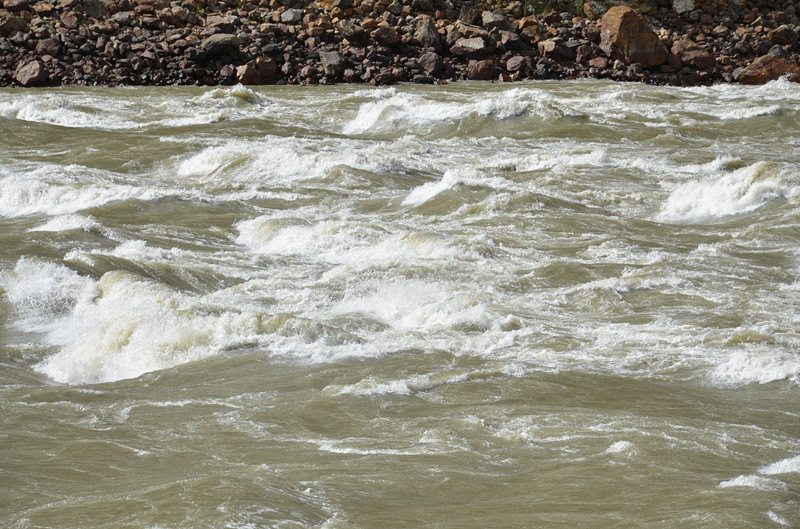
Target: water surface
{"x":546,"y":304}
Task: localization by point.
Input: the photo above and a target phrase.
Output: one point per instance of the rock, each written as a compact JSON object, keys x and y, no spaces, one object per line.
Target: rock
{"x":256,"y":72}
{"x":511,"y":41}
{"x":31,"y":74}
{"x":480,"y":70}
{"x":518,"y":63}
{"x":693,"y":55}
{"x":292,"y":16}
{"x":556,"y":50}
{"x":594,"y":10}
{"x":785,"y":36}
{"x":95,"y":9}
{"x":220,"y":44}
{"x":779,"y":51}
{"x":342,"y":4}
{"x":386,"y":36}
{"x":15,"y":6}
{"x":11,"y":24}
{"x":124,"y":18}
{"x":682,"y":6}
{"x":625,"y":35}
{"x":493,"y":19}
{"x":431,"y":63}
{"x":333,"y":63}
{"x":474,"y":48}
{"x":769,"y":68}
{"x":601,"y":63}
{"x":349,"y":30}
{"x":426,"y":34}
{"x":222,"y":24}
{"x":70,"y":19}
{"x":48,"y":47}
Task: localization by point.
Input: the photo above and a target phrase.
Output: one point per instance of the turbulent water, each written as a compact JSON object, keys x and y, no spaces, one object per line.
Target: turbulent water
{"x":552,"y":304}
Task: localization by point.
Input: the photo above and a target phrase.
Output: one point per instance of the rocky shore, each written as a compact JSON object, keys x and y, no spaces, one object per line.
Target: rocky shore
{"x":209,"y":42}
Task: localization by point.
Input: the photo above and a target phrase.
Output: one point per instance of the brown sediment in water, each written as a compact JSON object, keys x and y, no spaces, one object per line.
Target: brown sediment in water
{"x":210,"y":42}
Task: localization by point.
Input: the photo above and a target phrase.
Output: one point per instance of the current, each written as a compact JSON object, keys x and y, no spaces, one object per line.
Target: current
{"x":546,"y":304}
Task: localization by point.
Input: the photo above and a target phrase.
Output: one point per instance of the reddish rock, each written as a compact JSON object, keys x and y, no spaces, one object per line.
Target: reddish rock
{"x":480,"y":70}
{"x":32,"y":73}
{"x":625,"y":35}
{"x":256,"y":72}
{"x":386,"y":36}
{"x":598,"y":62}
{"x":693,"y":55}
{"x":769,"y":68}
{"x":69,"y":19}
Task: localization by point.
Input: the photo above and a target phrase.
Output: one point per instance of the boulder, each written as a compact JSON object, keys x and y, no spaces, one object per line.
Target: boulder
{"x":785,"y":36}
{"x":555,"y":49}
{"x":333,"y":63}
{"x":474,"y":48}
{"x":426,"y":34}
{"x":431,"y":63}
{"x":594,"y":10}
{"x":50,"y":47}
{"x":256,"y":72}
{"x":292,"y":16}
{"x":518,"y":63}
{"x":15,"y":6}
{"x":769,"y":68}
{"x":682,"y":6}
{"x":493,"y":19}
{"x":385,"y":36}
{"x":693,"y":55}
{"x":625,"y":36}
{"x":220,"y":44}
{"x":95,"y":9}
{"x":480,"y":70}
{"x":349,"y":30}
{"x":32,"y":73}
{"x":11,"y":24}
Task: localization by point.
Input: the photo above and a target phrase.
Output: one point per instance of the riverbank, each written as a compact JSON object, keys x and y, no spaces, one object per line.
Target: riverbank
{"x":209,"y":42}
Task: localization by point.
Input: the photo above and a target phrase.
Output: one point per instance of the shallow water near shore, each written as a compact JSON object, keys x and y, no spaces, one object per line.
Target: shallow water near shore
{"x":546,"y":304}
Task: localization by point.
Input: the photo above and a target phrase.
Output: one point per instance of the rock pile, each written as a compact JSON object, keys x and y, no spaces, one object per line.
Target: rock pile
{"x":160,"y":42}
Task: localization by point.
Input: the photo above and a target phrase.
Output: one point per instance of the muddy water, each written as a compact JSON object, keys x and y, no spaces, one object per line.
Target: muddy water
{"x":552,"y":304}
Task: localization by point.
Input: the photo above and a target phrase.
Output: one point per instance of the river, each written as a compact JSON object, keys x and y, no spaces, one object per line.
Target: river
{"x":546,"y":304}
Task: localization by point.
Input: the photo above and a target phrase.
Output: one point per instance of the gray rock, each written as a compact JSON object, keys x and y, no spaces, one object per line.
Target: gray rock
{"x":349,"y":30}
{"x":426,"y":34}
{"x":518,"y":63}
{"x":220,"y":44}
{"x":333,"y":63}
{"x":474,"y":48}
{"x":493,"y":19}
{"x":594,"y":10}
{"x":292,"y":16}
{"x":431,"y":63}
{"x":32,"y":73}
{"x":682,"y":6}
{"x":124,"y":18}
{"x":95,"y":9}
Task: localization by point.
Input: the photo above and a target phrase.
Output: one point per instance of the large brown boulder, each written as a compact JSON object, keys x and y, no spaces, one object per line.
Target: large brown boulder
{"x":769,"y":68}
{"x":625,"y":35}
{"x":32,"y":73}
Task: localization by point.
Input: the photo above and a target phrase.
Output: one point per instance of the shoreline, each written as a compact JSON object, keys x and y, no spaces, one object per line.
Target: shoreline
{"x":205,"y":42}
